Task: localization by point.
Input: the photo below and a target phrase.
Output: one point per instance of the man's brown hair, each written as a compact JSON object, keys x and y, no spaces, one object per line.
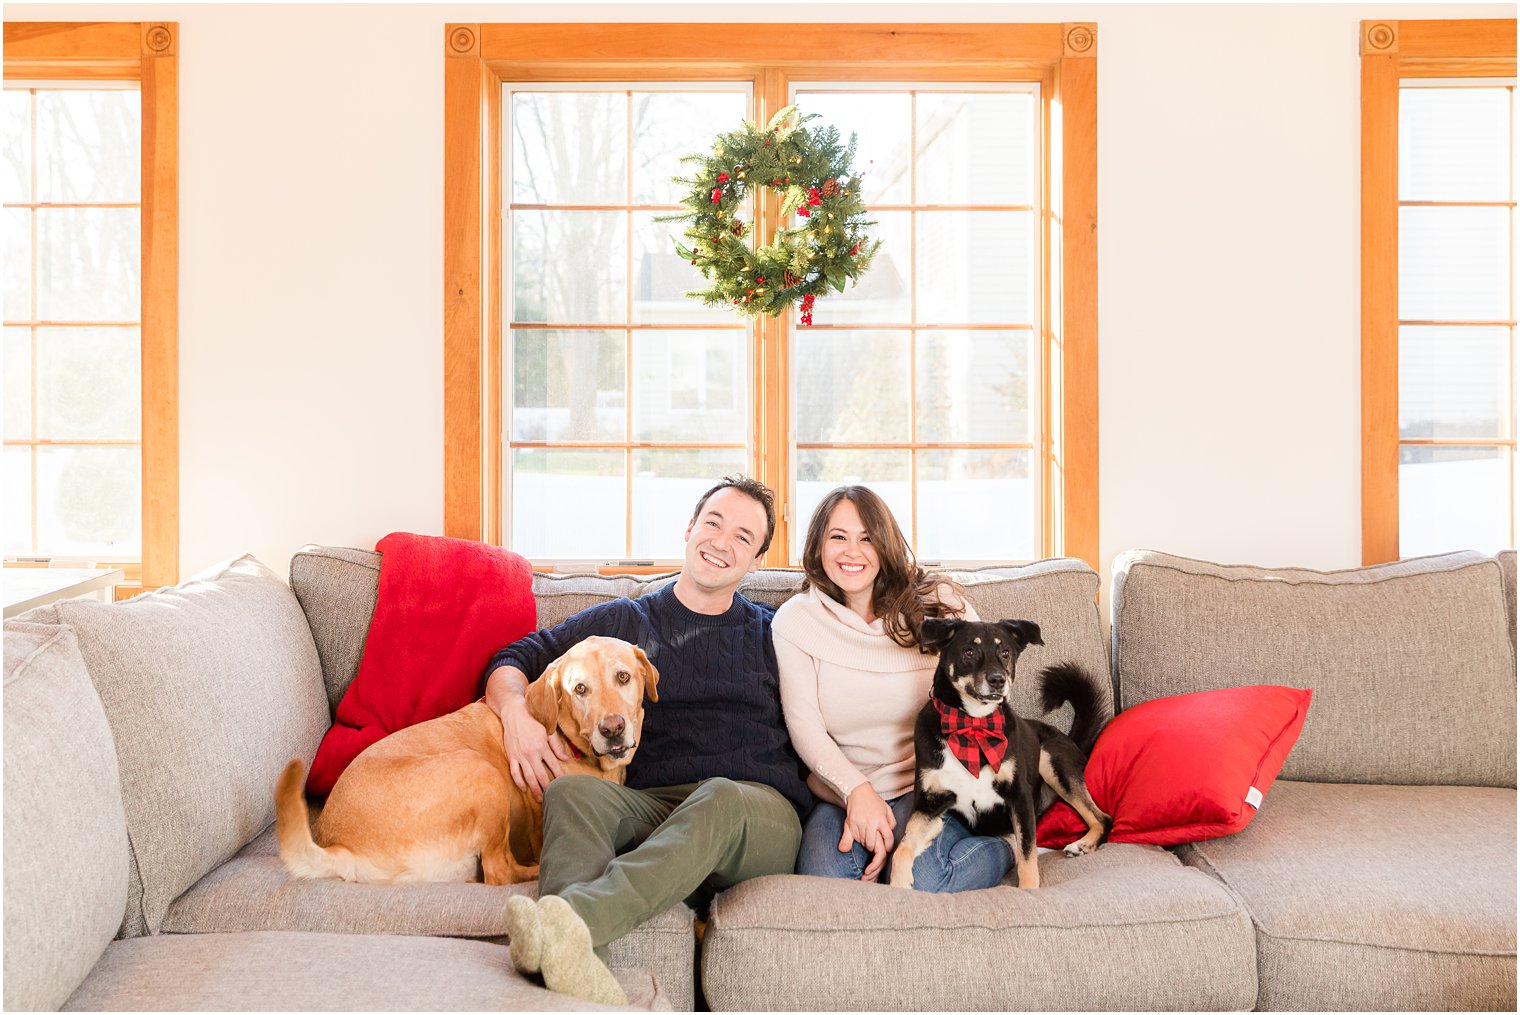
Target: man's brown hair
{"x":756,"y":490}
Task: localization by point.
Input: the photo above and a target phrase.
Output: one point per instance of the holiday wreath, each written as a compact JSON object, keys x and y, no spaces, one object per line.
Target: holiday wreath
{"x":812,"y":170}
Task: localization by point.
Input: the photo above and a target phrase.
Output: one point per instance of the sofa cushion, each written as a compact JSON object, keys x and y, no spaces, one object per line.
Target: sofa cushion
{"x":1412,"y":670}
{"x":1352,"y":912}
{"x":254,"y":892}
{"x":1127,"y":927}
{"x":65,"y":831}
{"x":325,"y":972}
{"x":337,"y":589}
{"x":210,"y":688}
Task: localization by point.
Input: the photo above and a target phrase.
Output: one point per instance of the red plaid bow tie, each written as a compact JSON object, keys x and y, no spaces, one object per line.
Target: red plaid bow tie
{"x":972,"y":738}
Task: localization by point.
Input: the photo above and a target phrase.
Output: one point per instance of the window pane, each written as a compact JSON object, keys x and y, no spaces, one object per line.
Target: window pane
{"x":16,"y":128}
{"x":976,"y":505}
{"x":569,"y":147}
{"x":818,"y":472}
{"x":1453,"y":382}
{"x":668,"y":125}
{"x":1453,"y":498}
{"x":88,"y":501}
{"x":975,"y":267}
{"x":18,"y":264}
{"x":881,"y":296}
{"x":1454,"y":264}
{"x":880,"y":122}
{"x":88,"y":264}
{"x":88,"y":145}
{"x":852,"y":386}
{"x":89,"y":383}
{"x":666,"y":486}
{"x":18,"y":383}
{"x":974,"y":386}
{"x":568,"y":386}
{"x":662,"y":277}
{"x":1454,"y":144}
{"x":18,"y":501}
{"x":569,"y":266}
{"x":691,"y":386}
{"x":568,"y":503}
{"x":975,"y":148}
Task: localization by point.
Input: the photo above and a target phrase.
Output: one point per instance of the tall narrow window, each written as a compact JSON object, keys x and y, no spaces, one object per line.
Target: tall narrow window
{"x":1438,"y":287}
{"x":1456,"y":315}
{"x":73,"y":411}
{"x":90,"y":186}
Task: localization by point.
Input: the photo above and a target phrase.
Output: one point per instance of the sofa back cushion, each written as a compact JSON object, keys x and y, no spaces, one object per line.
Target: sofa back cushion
{"x":337,"y":589}
{"x":65,"y":831}
{"x":1507,"y":566}
{"x":210,"y":688}
{"x":1412,"y":671}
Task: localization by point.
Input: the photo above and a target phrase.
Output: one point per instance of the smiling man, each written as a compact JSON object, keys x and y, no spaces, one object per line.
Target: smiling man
{"x":714,"y":792}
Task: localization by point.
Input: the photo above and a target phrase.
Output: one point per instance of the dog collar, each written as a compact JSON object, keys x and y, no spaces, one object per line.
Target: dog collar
{"x":570,"y":744}
{"x":973,"y":739}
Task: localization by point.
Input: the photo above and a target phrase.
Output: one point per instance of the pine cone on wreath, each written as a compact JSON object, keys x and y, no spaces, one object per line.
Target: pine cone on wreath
{"x":830,"y":188}
{"x":737,"y":228}
{"x":791,"y":279}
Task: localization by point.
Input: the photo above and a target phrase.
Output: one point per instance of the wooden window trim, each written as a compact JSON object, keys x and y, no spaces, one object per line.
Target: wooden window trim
{"x":479,"y":58}
{"x":1392,"y":51}
{"x":145,"y":52}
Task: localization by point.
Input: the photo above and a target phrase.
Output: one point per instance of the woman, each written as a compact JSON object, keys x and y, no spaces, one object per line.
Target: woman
{"x":853,"y":679}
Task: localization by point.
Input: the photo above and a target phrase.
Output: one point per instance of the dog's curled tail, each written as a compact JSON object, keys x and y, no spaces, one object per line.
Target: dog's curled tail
{"x":298,"y":849}
{"x":1065,"y":682}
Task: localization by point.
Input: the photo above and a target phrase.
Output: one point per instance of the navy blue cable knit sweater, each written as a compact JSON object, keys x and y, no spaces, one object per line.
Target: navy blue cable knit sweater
{"x":719,"y":712}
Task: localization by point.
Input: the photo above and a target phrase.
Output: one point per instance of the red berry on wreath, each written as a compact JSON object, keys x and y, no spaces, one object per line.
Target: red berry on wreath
{"x":804,"y":213}
{"x":722,"y":177}
{"x":717,"y":195}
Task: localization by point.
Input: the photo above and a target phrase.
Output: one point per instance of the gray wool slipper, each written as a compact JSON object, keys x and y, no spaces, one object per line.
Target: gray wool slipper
{"x":524,"y":937}
{"x":569,"y":965}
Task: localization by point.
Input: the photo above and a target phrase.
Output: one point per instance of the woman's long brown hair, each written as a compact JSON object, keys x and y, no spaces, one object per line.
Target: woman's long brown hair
{"x":903,"y":594}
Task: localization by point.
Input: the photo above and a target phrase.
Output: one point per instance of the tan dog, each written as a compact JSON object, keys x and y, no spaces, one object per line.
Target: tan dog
{"x":436,"y":802}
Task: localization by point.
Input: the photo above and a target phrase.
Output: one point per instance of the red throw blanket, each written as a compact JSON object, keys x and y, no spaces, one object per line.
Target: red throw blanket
{"x":445,"y":607}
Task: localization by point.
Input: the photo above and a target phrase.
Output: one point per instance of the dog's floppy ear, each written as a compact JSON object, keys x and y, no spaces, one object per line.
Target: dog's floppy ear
{"x":542,"y":698}
{"x":1025,"y":632}
{"x":651,"y":675}
{"x":937,"y":632}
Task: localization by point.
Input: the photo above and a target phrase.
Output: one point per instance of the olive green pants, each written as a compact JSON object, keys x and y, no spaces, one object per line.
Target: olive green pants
{"x":620,"y":856}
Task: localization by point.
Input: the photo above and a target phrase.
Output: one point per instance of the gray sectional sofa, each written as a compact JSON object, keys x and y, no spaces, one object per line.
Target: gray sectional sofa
{"x":142,"y":742}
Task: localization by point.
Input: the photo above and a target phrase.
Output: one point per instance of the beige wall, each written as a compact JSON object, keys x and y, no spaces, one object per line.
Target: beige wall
{"x":311,"y":207}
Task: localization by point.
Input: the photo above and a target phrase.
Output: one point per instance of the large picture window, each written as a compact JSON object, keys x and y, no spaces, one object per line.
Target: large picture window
{"x":589,"y":402}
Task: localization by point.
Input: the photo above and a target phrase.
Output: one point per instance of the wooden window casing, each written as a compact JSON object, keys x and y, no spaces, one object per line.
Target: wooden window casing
{"x":1392,"y":51}
{"x":148,"y":54}
{"x":480,"y":58}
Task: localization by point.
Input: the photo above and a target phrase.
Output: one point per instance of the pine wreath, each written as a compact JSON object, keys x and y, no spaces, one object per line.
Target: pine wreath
{"x":812,"y":169}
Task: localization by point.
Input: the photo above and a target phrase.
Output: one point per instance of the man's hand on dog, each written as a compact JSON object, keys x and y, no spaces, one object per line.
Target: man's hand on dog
{"x":869,"y":821}
{"x":534,"y":756}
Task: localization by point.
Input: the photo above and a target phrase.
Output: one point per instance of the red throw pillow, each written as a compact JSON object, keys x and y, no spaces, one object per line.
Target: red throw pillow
{"x":445,"y":606}
{"x":1186,"y":768}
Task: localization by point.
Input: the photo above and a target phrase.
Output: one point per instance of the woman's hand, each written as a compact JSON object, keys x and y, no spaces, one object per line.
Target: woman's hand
{"x":869,"y":821}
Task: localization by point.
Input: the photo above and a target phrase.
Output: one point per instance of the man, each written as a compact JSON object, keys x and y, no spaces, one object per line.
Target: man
{"x":714,"y":794}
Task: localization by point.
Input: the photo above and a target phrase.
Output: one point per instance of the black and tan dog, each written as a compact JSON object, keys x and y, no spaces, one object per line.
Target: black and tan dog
{"x":980,"y":761}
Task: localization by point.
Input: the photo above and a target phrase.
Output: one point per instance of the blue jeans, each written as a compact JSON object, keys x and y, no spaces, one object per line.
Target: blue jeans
{"x":956,"y":861}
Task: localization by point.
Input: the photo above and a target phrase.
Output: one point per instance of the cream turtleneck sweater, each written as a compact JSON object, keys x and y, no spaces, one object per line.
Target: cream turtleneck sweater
{"x":850,"y":695}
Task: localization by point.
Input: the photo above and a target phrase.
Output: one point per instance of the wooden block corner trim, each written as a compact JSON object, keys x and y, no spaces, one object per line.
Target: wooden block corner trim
{"x":1380,"y":37}
{"x":462,"y":40}
{"x":160,"y":39}
{"x":1080,"y":39}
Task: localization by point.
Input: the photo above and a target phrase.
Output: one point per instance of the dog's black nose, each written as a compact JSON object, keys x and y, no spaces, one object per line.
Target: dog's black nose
{"x":996,"y":680}
{"x":612,"y":727}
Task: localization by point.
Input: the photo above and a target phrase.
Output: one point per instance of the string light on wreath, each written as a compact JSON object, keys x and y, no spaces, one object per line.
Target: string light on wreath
{"x":828,"y":247}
